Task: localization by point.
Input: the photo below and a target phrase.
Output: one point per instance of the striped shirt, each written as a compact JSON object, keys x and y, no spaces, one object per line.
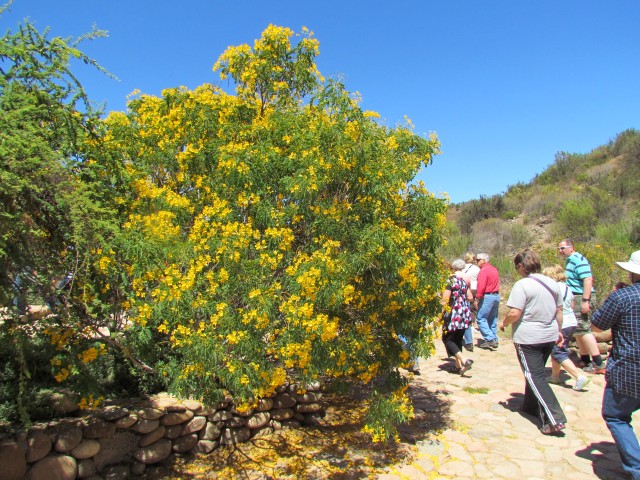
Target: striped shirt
{"x":577,"y":269}
{"x":621,"y":314}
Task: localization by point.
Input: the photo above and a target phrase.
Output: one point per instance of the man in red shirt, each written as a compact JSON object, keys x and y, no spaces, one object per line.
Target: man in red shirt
{"x":487,"y":302}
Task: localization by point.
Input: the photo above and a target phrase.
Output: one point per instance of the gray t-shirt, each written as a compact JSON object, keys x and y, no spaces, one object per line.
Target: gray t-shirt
{"x":538,"y":321}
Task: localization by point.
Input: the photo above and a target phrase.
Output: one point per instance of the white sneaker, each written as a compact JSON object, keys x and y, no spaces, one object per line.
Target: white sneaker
{"x":581,"y":382}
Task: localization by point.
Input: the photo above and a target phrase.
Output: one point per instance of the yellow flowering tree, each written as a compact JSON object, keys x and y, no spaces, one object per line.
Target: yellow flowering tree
{"x":274,"y":234}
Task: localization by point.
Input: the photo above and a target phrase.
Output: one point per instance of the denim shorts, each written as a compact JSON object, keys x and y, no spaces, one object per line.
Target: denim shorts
{"x":561,"y":352}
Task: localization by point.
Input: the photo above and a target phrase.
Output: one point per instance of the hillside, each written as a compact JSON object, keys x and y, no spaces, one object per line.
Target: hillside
{"x":590,"y":197}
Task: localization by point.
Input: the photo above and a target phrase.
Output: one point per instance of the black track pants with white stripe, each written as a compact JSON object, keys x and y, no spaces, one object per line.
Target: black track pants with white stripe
{"x":539,"y":398}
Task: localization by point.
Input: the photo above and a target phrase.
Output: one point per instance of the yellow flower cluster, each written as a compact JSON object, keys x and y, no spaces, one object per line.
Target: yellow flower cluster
{"x":59,"y":336}
{"x":158,"y":225}
{"x":63,"y":371}
{"x":90,"y":402}
{"x":90,"y":354}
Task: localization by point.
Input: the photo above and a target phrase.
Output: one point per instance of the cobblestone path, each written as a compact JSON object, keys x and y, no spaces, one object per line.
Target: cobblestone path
{"x":484,"y":435}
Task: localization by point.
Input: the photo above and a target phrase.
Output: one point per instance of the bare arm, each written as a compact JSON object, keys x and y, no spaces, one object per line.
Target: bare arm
{"x":586,"y":292}
{"x":446,"y":295}
{"x":513,"y":315}
{"x":559,"y":317}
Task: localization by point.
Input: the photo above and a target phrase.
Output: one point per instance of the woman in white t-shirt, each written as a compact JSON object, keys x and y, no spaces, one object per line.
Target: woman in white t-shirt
{"x":471,"y":269}
{"x":560,"y":353}
{"x":535,"y":313}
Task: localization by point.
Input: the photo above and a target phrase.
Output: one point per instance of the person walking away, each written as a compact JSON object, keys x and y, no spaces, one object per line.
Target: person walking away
{"x":472,"y":270}
{"x":458,"y":267}
{"x":535,"y":314}
{"x":580,"y":281}
{"x":560,"y":353}
{"x":621,"y":313}
{"x":456,"y":316}
{"x":487,"y":302}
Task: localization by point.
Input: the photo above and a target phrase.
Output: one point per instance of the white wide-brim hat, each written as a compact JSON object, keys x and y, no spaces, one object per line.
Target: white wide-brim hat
{"x":633,"y":265}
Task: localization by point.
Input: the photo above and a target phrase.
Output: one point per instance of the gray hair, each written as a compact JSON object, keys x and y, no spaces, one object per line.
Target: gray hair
{"x":483,"y":256}
{"x":458,"y":264}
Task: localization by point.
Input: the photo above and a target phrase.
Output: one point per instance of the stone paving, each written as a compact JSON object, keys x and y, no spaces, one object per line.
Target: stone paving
{"x":484,"y":435}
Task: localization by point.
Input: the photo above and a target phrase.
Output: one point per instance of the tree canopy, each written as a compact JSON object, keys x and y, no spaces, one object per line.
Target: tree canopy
{"x":268,"y":235}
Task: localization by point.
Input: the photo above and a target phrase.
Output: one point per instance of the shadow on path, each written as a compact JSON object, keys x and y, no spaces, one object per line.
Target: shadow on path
{"x":605,"y":459}
{"x":334,"y":449}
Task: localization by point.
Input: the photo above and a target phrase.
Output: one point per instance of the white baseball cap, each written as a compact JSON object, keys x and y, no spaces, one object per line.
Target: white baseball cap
{"x":633,"y":265}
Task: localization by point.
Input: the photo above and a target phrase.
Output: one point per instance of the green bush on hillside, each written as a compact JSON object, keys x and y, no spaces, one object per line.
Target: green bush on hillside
{"x":576,"y":219}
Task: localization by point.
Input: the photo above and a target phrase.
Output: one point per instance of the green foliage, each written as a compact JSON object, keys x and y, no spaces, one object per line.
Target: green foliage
{"x":504,"y":264}
{"x":509,"y":215}
{"x":476,"y":390}
{"x":614,"y":234}
{"x":478,"y":210}
{"x":605,"y":271}
{"x":273,"y":234}
{"x":56,"y":209}
{"x":634,"y":234}
{"x":576,"y":219}
{"x":457,"y":244}
{"x":386,"y":411}
{"x":563,"y":168}
{"x":603,"y":181}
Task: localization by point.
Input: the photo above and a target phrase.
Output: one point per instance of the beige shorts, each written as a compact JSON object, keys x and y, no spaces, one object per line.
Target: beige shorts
{"x":584,"y":321}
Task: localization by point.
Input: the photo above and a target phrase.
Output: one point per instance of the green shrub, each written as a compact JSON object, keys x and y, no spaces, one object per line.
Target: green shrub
{"x":509,"y":215}
{"x":576,"y":219}
{"x":504,"y":264}
{"x":456,"y":245}
{"x":618,"y":234}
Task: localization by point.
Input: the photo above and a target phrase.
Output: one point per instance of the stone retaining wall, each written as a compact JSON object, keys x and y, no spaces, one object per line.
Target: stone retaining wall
{"x":118,"y":441}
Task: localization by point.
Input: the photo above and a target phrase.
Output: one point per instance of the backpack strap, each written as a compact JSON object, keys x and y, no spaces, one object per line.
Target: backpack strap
{"x":553,"y":294}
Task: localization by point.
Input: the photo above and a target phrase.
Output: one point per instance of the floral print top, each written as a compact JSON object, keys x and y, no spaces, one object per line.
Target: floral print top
{"x":459,"y":307}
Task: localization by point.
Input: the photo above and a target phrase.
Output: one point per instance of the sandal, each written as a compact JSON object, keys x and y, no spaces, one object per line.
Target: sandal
{"x":552,"y":429}
{"x":467,"y":366}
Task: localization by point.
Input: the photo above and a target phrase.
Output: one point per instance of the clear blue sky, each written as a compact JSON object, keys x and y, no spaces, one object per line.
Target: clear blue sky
{"x":505,"y":84}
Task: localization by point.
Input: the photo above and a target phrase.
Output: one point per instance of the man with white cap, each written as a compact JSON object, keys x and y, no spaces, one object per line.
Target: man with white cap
{"x":621,"y":314}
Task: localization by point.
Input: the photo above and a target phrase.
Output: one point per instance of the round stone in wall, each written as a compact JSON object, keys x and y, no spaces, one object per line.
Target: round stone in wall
{"x":88,"y":448}
{"x":145,"y":426}
{"x":185,"y":444}
{"x":233,"y":436}
{"x":205,"y":446}
{"x":259,"y":419}
{"x":54,"y":467}
{"x":69,"y":437}
{"x":13,"y":461}
{"x":152,"y":437}
{"x":38,"y":446}
{"x":154,"y":453}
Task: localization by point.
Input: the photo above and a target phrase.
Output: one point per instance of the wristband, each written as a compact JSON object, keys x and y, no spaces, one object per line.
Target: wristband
{"x":586,"y":299}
